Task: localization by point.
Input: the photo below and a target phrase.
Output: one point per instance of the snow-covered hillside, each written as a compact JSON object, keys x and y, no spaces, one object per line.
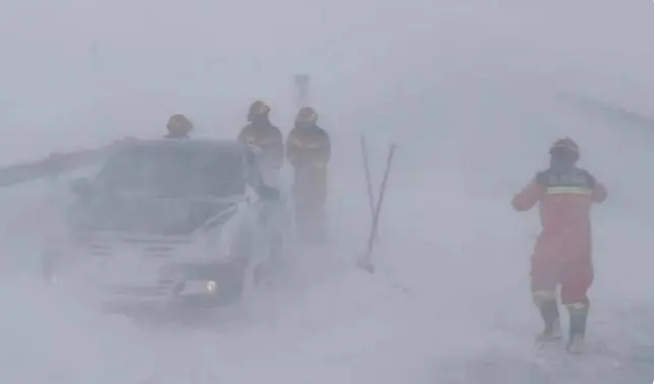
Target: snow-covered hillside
{"x":471,"y":94}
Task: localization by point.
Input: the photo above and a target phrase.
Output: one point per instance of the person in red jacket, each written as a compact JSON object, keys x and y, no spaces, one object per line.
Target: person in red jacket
{"x":308,"y":150}
{"x":562,"y":253}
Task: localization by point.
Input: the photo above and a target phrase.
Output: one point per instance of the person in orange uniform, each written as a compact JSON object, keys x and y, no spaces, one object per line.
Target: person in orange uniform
{"x":308,"y":150}
{"x":178,"y":127}
{"x":562,"y":253}
{"x":265,"y":136}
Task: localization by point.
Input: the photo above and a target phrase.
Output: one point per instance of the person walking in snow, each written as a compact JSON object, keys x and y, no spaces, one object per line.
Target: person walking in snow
{"x":262,"y":134}
{"x":308,"y":150}
{"x":562,"y":253}
{"x":264,"y":138}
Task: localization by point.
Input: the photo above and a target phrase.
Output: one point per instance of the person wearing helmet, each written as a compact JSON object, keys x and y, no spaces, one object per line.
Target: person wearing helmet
{"x":308,"y":150}
{"x":263,"y":135}
{"x":178,"y":127}
{"x":562,"y":253}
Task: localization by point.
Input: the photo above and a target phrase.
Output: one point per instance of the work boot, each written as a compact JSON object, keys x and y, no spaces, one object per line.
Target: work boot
{"x":550,"y":315}
{"x":550,"y":333}
{"x":577,"y":328}
{"x":576,"y":345}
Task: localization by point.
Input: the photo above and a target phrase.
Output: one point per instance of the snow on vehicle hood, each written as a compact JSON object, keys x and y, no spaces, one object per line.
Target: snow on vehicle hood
{"x":147,"y":215}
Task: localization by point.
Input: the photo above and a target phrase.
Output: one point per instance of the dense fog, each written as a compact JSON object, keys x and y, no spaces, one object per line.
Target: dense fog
{"x":473,"y":93}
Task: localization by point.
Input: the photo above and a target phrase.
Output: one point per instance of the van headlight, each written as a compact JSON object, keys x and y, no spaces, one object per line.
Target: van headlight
{"x":211,"y":286}
{"x":198,"y":287}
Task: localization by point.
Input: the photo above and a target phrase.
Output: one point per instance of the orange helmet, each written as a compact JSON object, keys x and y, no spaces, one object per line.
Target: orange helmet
{"x":258,"y":109}
{"x":307,"y":115}
{"x":566,"y":145}
{"x":179,"y":125}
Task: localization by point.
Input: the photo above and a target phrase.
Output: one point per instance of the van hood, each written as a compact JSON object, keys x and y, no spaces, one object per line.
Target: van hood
{"x":147,"y":216}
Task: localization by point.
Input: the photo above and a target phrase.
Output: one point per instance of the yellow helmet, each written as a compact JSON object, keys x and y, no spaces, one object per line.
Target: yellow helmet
{"x":566,"y":143}
{"x":306,"y":115}
{"x":258,"y":109}
{"x":179,"y":125}
{"x":566,"y":147}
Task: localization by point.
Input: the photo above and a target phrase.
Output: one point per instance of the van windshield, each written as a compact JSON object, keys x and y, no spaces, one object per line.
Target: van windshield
{"x":173,"y":172}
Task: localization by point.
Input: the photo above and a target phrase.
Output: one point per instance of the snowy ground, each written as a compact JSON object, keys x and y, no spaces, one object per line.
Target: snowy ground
{"x":449,"y":304}
{"x":450,"y":301}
